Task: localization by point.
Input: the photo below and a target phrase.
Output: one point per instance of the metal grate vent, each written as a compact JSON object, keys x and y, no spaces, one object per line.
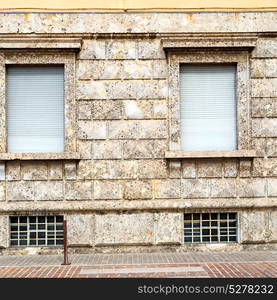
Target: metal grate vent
{"x":210,"y":227}
{"x":36,"y":230}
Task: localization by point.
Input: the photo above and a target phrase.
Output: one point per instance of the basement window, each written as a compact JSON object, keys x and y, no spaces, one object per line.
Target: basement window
{"x":36,"y":230}
{"x":210,"y":227}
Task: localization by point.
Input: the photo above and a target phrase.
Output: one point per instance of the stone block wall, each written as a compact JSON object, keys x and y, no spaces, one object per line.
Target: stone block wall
{"x":123,"y":191}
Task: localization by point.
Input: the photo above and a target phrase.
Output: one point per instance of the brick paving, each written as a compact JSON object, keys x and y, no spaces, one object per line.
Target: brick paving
{"x":166,"y":265}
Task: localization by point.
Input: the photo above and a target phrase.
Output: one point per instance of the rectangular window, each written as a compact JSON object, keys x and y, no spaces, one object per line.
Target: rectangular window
{"x":35,"y":108}
{"x":36,"y":230}
{"x":210,"y":227}
{"x":208,"y":107}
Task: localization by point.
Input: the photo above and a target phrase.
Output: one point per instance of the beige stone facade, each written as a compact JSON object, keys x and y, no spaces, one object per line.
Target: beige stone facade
{"x":123,"y":183}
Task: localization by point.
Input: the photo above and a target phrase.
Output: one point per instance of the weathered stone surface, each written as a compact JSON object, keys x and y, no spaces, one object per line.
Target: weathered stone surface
{"x":91,"y":90}
{"x":259,"y":144}
{"x":150,"y":50}
{"x":78,"y":190}
{"x":264,"y":87}
{"x":230,"y":168}
{"x":272,"y":187}
{"x":55,"y":170}
{"x":117,"y":169}
{"x":2,"y":191}
{"x":125,"y":49}
{"x":2,"y":171}
{"x":80,"y":229}
{"x":271,"y":147}
{"x":137,"y":69}
{"x":121,"y":69}
{"x":48,"y":190}
{"x":20,"y":191}
{"x":168,"y":228}
{"x":85,"y":149}
{"x":175,"y":168}
{"x":253,"y":226}
{"x":99,"y":69}
{"x":245,"y":167}
{"x":84,"y":110}
{"x":145,"y":109}
{"x":272,"y":226}
{"x":263,"y":68}
{"x":143,"y":148}
{"x":92,"y":130}
{"x":93,"y":49}
{"x":271,"y":167}
{"x":34,"y":190}
{"x":223,"y":188}
{"x":124,"y":229}
{"x":265,"y":48}
{"x":134,"y":89}
{"x":126,"y":89}
{"x":34,"y":170}
{"x":125,"y":80}
{"x":264,"y":107}
{"x":70,"y":170}
{"x":85,"y":169}
{"x":166,"y":189}
{"x":188,"y":169}
{"x":259,"y":167}
{"x":195,"y":188}
{"x":135,"y":189}
{"x":264,"y":127}
{"x":108,"y":149}
{"x":265,"y":167}
{"x":13,"y":170}
{"x":137,"y":129}
{"x":152,"y":169}
{"x":252,"y":187}
{"x":106,"y":190}
{"x":4,"y":230}
{"x":137,"y":109}
{"x":106,"y":110}
{"x":130,"y":168}
{"x":111,"y":169}
{"x":180,"y":22}
{"x":209,"y":168}
{"x":160,"y":69}
{"x":159,"y":109}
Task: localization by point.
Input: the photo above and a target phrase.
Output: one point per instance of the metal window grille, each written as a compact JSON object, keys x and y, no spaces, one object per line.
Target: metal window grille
{"x":210,"y":227}
{"x":36,"y":230}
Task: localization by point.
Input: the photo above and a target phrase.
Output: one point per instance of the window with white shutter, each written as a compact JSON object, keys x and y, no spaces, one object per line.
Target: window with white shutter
{"x":208,"y":107}
{"x":35,"y":108}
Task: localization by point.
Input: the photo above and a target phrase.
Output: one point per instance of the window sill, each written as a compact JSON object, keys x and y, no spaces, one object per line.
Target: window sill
{"x":211,"y":154}
{"x":41,"y":156}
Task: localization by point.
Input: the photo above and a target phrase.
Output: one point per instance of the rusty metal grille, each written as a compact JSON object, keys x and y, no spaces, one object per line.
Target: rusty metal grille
{"x":210,"y":227}
{"x":36,"y":230}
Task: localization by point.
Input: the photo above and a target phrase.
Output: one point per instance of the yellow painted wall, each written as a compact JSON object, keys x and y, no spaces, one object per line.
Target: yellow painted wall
{"x":120,"y":5}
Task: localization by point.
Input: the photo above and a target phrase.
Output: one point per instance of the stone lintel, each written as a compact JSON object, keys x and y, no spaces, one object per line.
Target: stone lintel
{"x":209,"y":42}
{"x":41,"y":43}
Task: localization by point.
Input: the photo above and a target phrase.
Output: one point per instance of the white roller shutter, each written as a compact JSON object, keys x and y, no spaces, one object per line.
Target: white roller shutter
{"x":208,"y":107}
{"x":35,"y":108}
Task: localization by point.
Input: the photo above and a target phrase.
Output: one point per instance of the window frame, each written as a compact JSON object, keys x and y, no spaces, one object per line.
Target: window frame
{"x":42,"y":58}
{"x":241,"y":59}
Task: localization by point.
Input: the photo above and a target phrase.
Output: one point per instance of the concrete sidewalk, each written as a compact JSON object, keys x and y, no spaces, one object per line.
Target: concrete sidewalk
{"x":187,"y":264}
